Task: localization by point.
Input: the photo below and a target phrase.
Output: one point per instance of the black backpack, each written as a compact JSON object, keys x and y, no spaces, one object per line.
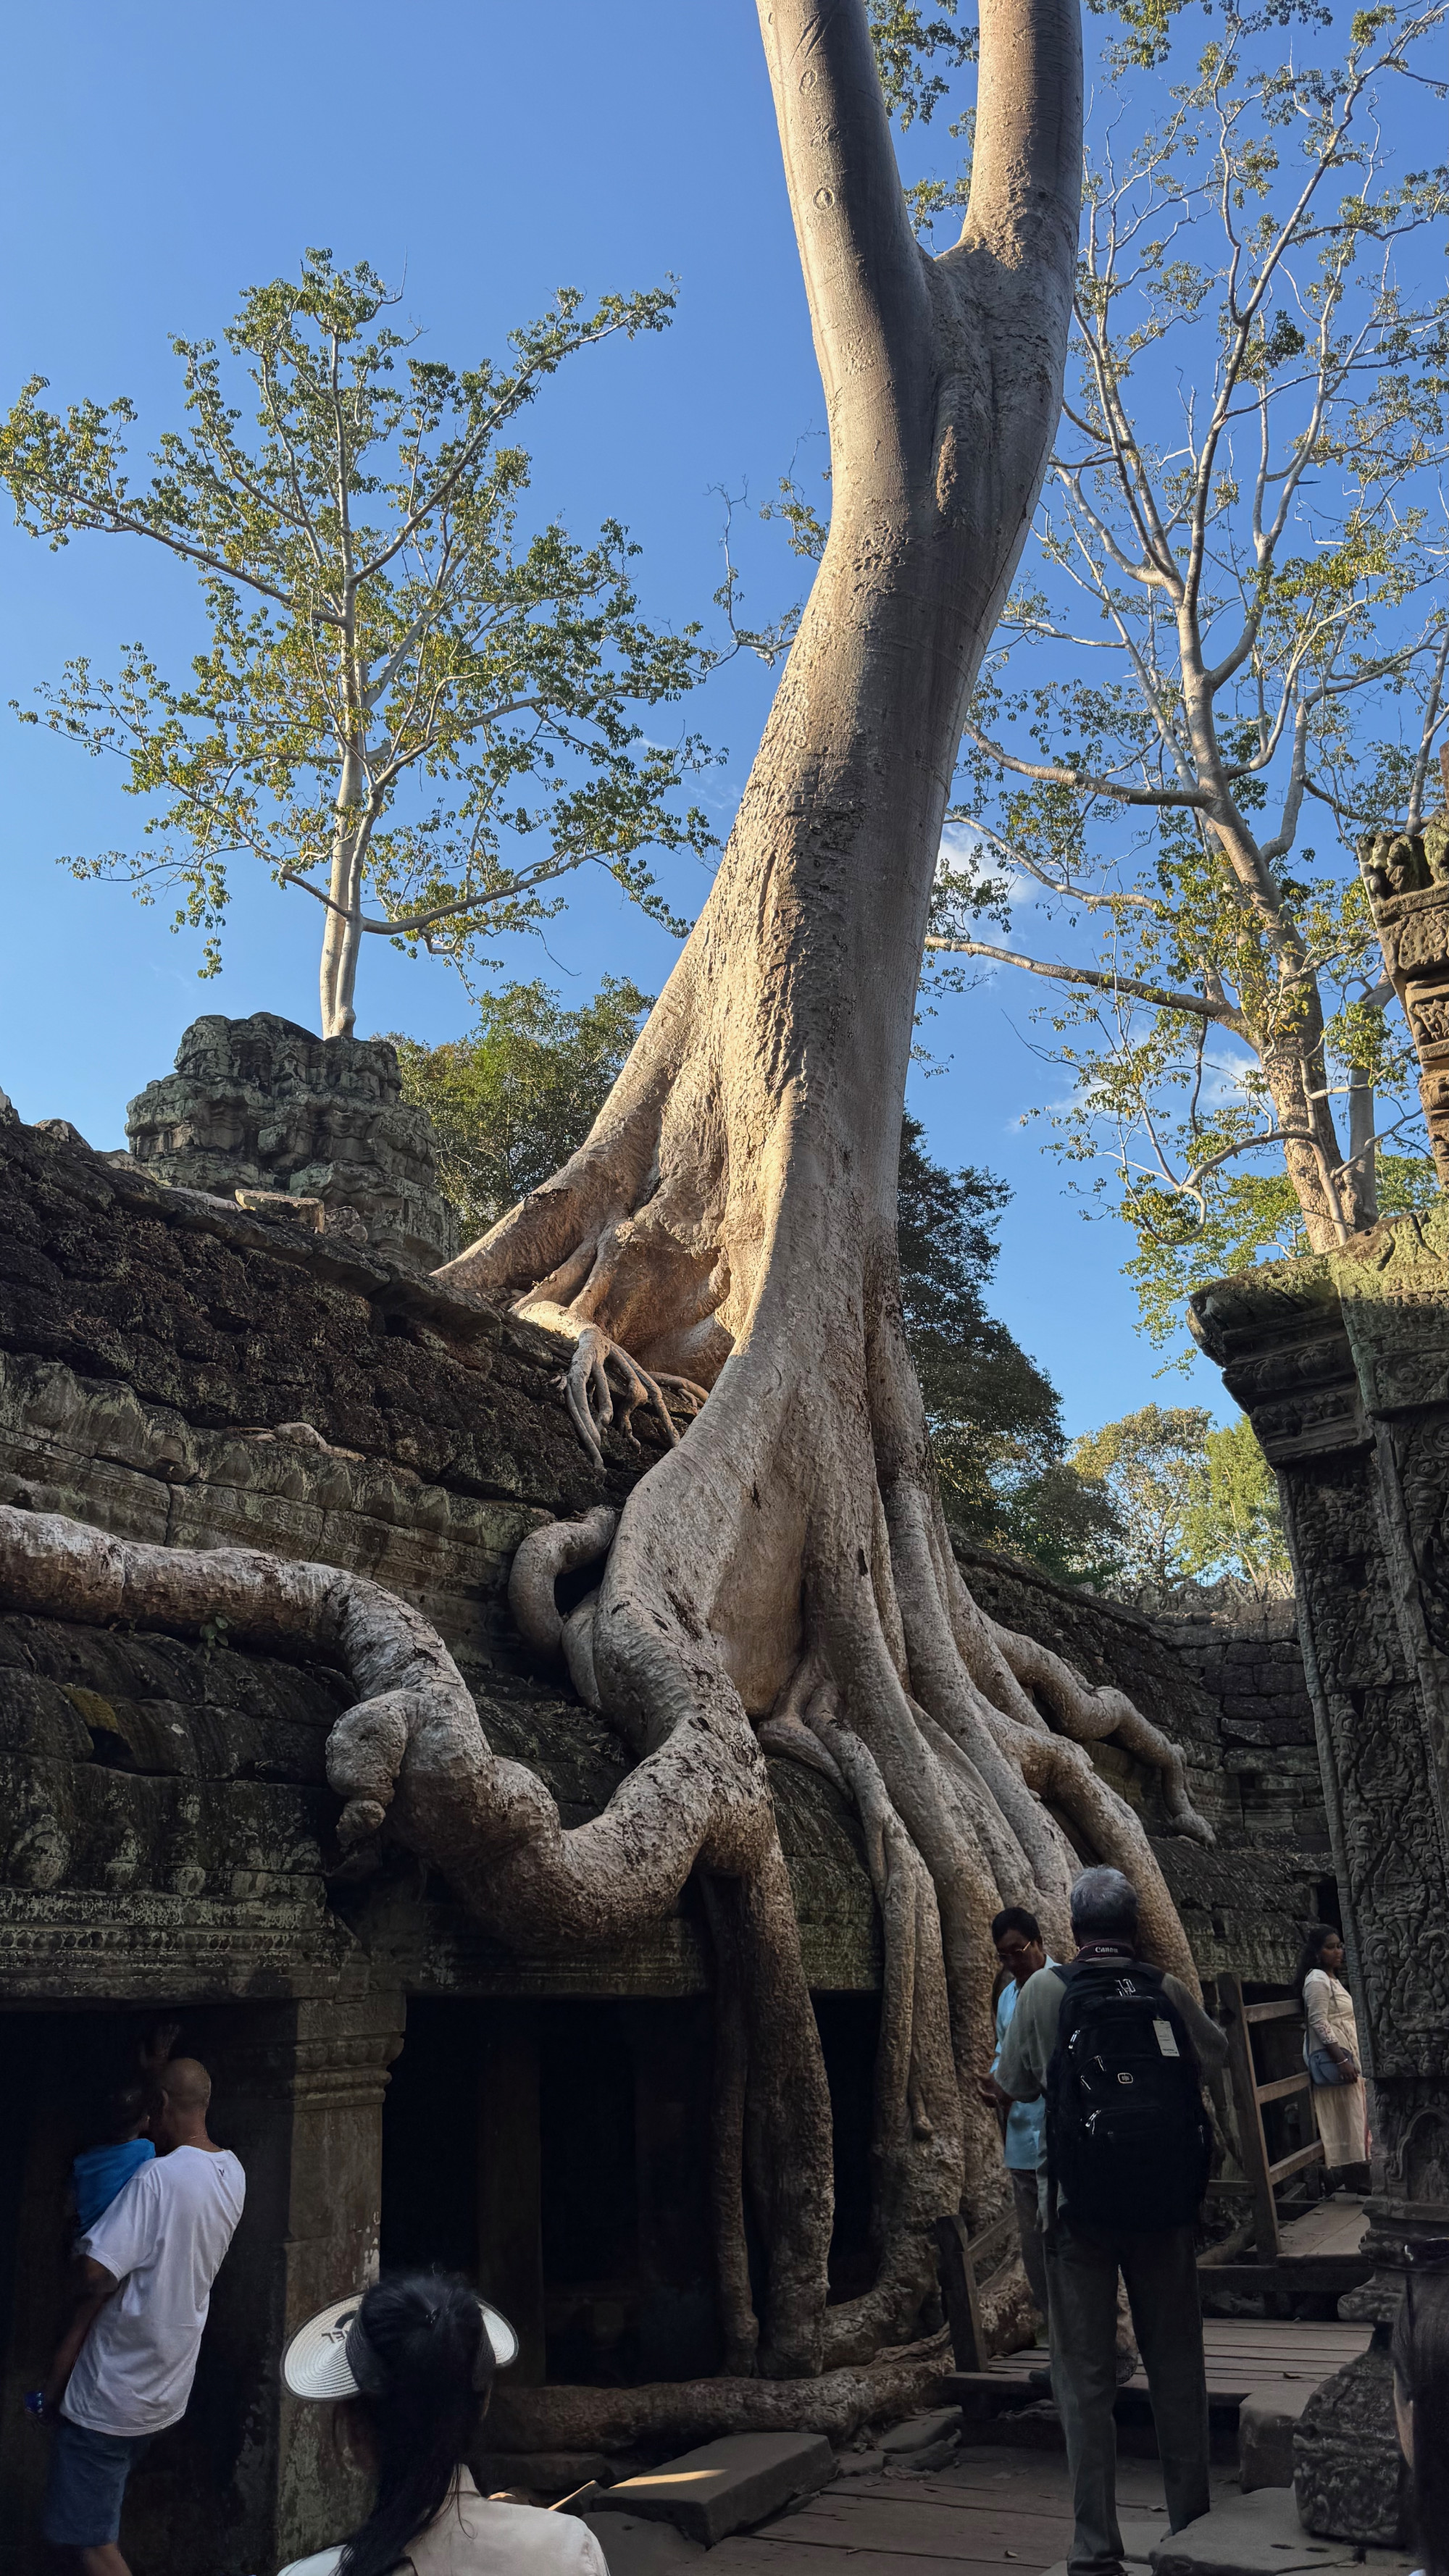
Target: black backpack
{"x":1129,"y":2143}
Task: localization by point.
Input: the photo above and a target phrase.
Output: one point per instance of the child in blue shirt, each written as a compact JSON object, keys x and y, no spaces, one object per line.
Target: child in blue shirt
{"x":100,"y":2172}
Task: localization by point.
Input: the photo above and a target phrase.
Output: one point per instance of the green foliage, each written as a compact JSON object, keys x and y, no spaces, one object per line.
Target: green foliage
{"x":401,"y":692}
{"x":1227,"y":657}
{"x":1235,"y":1526}
{"x":995,"y":1418}
{"x":1151,"y":1465}
{"x":511,"y":1102}
{"x":1190,"y":1502}
{"x":1251,"y":1218}
{"x":908,"y":45}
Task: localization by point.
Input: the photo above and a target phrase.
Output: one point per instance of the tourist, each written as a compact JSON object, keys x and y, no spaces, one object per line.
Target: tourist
{"x":1126,"y":2143}
{"x":1330,"y":2052}
{"x":124,"y":2368}
{"x":411,"y":2364}
{"x":1421,"y":2395}
{"x":1016,"y":1935}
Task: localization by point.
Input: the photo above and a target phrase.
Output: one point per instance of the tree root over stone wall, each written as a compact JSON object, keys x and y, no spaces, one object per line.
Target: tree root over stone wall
{"x":411,"y":1755}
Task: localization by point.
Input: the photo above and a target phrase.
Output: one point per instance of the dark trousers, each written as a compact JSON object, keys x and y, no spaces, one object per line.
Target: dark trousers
{"x":1033,"y":2247}
{"x":1160,"y":2270}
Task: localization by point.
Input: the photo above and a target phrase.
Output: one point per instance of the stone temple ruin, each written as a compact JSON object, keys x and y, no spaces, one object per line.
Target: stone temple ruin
{"x":186,"y":1360}
{"x":314,"y":1129}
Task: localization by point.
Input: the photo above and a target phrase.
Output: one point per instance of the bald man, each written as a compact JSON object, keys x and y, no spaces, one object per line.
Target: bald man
{"x":125,"y":2366}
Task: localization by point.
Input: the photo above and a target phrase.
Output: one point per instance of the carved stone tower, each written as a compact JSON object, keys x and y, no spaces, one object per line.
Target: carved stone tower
{"x":263,"y":1109}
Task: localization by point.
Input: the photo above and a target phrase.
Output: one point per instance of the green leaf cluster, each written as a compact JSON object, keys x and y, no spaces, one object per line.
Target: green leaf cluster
{"x":1191,"y":1503}
{"x":408,"y":699}
{"x":1227,"y":659}
{"x":995,"y":1418}
{"x":515,"y":1098}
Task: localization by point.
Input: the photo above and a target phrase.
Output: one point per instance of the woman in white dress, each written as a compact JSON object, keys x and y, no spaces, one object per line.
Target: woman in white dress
{"x":1330,"y":2050}
{"x":410,"y":2364}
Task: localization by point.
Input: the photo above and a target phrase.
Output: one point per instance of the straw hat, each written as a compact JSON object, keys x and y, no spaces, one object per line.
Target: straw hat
{"x":316,"y":2362}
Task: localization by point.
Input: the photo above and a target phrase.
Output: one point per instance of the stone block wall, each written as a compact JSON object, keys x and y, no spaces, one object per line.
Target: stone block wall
{"x":175,"y":1369}
{"x":1249,"y":1663}
{"x":1342,"y":1363}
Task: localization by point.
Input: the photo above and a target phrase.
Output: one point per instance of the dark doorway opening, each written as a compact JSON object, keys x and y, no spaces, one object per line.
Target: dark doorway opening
{"x":849,"y":2027}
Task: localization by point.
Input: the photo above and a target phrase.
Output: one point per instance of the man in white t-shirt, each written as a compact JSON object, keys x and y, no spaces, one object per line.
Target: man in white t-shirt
{"x":124,"y":2369}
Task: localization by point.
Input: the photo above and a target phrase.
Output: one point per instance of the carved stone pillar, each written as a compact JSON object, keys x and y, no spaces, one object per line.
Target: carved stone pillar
{"x":1342,"y":1363}
{"x":1407,"y":876}
{"x":251,"y":2479}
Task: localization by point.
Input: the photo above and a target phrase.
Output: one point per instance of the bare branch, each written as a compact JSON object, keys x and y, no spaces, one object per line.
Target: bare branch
{"x":1087,"y":785}
{"x":1094,"y":978}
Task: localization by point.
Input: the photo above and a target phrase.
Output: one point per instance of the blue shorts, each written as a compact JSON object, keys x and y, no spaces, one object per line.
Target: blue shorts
{"x":88,"y":2473}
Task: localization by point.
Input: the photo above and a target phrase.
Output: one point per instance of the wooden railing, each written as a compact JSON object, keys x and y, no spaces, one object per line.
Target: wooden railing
{"x":1264,"y":2173}
{"x":958,"y":2253}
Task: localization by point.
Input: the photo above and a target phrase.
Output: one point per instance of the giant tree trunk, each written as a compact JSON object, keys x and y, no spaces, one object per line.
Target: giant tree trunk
{"x":783,"y":1578}
{"x":731,"y":1221}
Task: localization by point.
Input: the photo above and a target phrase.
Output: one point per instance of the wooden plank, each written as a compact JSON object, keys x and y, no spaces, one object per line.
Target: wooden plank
{"x":1293,"y":2164}
{"x":958,"y":2291}
{"x":1291,"y":2010}
{"x":1244,"y":2078}
{"x":918,"y":2530}
{"x":1332,"y":2226}
{"x":1001,"y":2229}
{"x":765,"y":2554}
{"x":1306,"y":2275}
{"x":1283,"y":2085}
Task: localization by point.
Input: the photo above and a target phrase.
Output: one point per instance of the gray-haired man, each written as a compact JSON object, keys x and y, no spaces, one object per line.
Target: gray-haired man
{"x":1157,"y":2262}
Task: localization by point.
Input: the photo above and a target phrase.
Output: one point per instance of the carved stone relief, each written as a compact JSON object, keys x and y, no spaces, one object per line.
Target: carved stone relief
{"x":1366,"y":1509}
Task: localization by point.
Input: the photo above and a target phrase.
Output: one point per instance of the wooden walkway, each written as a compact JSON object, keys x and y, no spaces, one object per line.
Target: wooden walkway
{"x":1335,"y":2226}
{"x":992,"y":2508}
{"x":1242,"y":2353}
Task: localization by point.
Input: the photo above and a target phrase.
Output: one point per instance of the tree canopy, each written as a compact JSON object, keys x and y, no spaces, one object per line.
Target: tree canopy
{"x":994,"y":1416}
{"x":511,"y":1101}
{"x":1225,"y":660}
{"x":405,"y":698}
{"x":1191,"y":1503}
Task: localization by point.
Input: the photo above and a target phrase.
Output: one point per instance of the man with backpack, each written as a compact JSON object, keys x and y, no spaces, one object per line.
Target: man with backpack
{"x":1116,"y":2049}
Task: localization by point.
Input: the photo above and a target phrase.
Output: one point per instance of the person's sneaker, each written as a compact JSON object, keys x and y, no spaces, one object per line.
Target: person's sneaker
{"x":1128,"y":2365}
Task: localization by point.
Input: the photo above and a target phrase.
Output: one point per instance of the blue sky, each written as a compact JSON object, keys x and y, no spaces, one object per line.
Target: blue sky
{"x":159,"y":158}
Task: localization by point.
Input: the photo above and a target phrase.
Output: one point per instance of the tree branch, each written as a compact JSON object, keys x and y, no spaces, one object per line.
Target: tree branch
{"x":865,"y":273}
{"x":1085,"y":784}
{"x":1161,"y":998}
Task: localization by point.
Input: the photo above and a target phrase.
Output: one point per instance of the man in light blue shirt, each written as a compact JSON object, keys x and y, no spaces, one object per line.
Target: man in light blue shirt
{"x":1021,"y":1950}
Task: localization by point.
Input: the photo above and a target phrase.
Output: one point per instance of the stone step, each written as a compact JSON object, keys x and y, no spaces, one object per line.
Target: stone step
{"x":1261,"y":2535}
{"x":1267,"y":2422}
{"x":724,"y":2486}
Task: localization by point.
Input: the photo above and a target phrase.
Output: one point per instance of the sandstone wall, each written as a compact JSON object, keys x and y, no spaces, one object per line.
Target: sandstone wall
{"x":1234,"y":1697}
{"x":176,"y":1370}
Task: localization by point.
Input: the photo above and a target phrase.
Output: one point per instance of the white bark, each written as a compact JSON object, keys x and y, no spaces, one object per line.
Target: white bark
{"x":731,"y":1221}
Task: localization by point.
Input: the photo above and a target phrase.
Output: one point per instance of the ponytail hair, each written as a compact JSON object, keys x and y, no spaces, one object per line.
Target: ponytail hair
{"x":427,"y":2367}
